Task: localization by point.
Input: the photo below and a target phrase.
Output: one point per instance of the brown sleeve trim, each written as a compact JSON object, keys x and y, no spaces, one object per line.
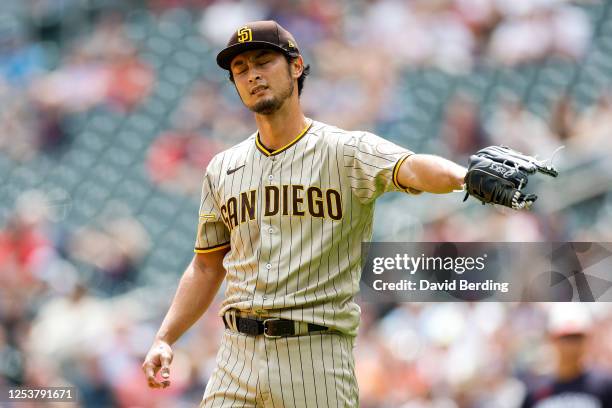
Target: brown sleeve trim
{"x":211,"y":249}
{"x":396,"y":171}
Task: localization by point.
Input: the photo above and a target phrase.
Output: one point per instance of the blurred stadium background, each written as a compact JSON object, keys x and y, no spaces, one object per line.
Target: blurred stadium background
{"x":110,"y":111}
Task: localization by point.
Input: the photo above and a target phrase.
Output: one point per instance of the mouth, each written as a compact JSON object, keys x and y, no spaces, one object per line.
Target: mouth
{"x":258,"y":89}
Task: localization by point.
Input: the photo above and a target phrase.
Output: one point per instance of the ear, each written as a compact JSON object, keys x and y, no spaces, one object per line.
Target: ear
{"x":297,"y":67}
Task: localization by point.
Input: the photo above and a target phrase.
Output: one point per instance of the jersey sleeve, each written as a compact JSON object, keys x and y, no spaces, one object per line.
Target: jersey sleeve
{"x":212,"y":233}
{"x":372,"y":164}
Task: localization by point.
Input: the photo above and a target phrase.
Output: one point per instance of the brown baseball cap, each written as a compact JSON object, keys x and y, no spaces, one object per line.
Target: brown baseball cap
{"x":257,"y":35}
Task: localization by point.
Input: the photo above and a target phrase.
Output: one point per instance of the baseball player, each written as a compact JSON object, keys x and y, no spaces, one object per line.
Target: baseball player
{"x":282,"y":218}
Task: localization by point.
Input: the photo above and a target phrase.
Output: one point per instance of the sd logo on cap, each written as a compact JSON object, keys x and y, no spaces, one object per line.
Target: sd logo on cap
{"x":257,"y":35}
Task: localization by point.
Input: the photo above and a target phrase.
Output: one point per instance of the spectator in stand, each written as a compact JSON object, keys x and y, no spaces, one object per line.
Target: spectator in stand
{"x":514,"y":125}
{"x":176,"y":159}
{"x":206,"y":110}
{"x":560,"y":29}
{"x":53,"y":135}
{"x":563,"y":118}
{"x":573,"y":383}
{"x":354,"y":94}
{"x":104,"y":69}
{"x":21,"y":243}
{"x":594,"y":127}
{"x":130,"y":81}
{"x":480,"y":17}
{"x":462,"y":130}
{"x":18,"y":138}
{"x":108,"y":39}
{"x":418,"y":33}
{"x":79,"y":84}
{"x":116,"y":250}
{"x":20,"y":60}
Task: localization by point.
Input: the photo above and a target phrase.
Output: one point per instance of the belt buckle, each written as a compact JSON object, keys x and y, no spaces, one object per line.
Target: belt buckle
{"x":265,"y":325}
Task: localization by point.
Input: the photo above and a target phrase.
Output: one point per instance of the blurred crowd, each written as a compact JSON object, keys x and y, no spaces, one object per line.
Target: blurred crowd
{"x":52,"y":316}
{"x":453,"y":35}
{"x":61,"y":61}
{"x":42,"y":90}
{"x":468,"y":355}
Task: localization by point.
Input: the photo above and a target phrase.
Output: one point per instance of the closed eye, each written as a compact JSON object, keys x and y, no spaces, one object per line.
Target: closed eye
{"x":239,"y":69}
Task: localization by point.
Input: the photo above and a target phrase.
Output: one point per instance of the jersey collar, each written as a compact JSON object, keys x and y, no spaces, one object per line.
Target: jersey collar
{"x":268,"y":153}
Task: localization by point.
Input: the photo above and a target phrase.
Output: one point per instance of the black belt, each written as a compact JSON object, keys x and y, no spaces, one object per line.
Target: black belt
{"x":273,"y":327}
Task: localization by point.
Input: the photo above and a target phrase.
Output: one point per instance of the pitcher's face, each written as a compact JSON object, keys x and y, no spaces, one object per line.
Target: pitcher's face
{"x":263,"y":79}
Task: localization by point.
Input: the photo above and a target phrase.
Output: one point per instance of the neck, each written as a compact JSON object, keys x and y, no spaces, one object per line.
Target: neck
{"x":283,"y":126}
{"x":569,"y":370}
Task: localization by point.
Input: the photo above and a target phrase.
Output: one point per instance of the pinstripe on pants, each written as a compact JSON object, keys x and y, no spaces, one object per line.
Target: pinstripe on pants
{"x":312,"y":370}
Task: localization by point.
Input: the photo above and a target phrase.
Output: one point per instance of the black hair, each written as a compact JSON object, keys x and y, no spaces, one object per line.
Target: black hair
{"x":300,"y":80}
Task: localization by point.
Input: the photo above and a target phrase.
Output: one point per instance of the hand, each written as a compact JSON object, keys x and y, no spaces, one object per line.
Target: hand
{"x":159,"y":357}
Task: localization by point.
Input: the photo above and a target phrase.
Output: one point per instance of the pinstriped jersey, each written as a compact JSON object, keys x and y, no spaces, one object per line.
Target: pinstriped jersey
{"x":294,"y":220}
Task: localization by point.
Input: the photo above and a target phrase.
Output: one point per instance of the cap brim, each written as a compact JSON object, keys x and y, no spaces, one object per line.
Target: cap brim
{"x":225,"y":57}
{"x":568,"y":332}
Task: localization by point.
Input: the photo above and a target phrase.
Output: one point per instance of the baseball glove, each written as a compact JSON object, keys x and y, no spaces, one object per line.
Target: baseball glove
{"x":496,"y":175}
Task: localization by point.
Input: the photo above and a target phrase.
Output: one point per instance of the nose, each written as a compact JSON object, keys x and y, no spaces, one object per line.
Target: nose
{"x":254,"y":76}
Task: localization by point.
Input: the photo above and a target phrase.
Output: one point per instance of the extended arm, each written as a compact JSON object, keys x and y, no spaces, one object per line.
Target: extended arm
{"x":196,"y":290}
{"x":431,"y":174}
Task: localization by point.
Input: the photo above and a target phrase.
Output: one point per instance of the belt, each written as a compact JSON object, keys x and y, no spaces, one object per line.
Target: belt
{"x":272,"y":327}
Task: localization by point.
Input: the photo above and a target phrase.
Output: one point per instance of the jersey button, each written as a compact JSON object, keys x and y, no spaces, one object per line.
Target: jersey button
{"x":270,"y":177}
{"x":270,"y":230}
{"x":268,"y":266}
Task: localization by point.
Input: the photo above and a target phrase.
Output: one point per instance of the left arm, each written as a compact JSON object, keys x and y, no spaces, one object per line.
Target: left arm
{"x":431,"y":174}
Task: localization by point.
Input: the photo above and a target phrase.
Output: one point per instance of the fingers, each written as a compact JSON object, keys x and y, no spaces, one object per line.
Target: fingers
{"x":158,"y":359}
{"x":166,"y":359}
{"x":150,"y":370}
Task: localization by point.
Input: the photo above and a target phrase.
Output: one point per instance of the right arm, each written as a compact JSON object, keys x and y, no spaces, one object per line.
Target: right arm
{"x":196,"y":290}
{"x":429,"y":173}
